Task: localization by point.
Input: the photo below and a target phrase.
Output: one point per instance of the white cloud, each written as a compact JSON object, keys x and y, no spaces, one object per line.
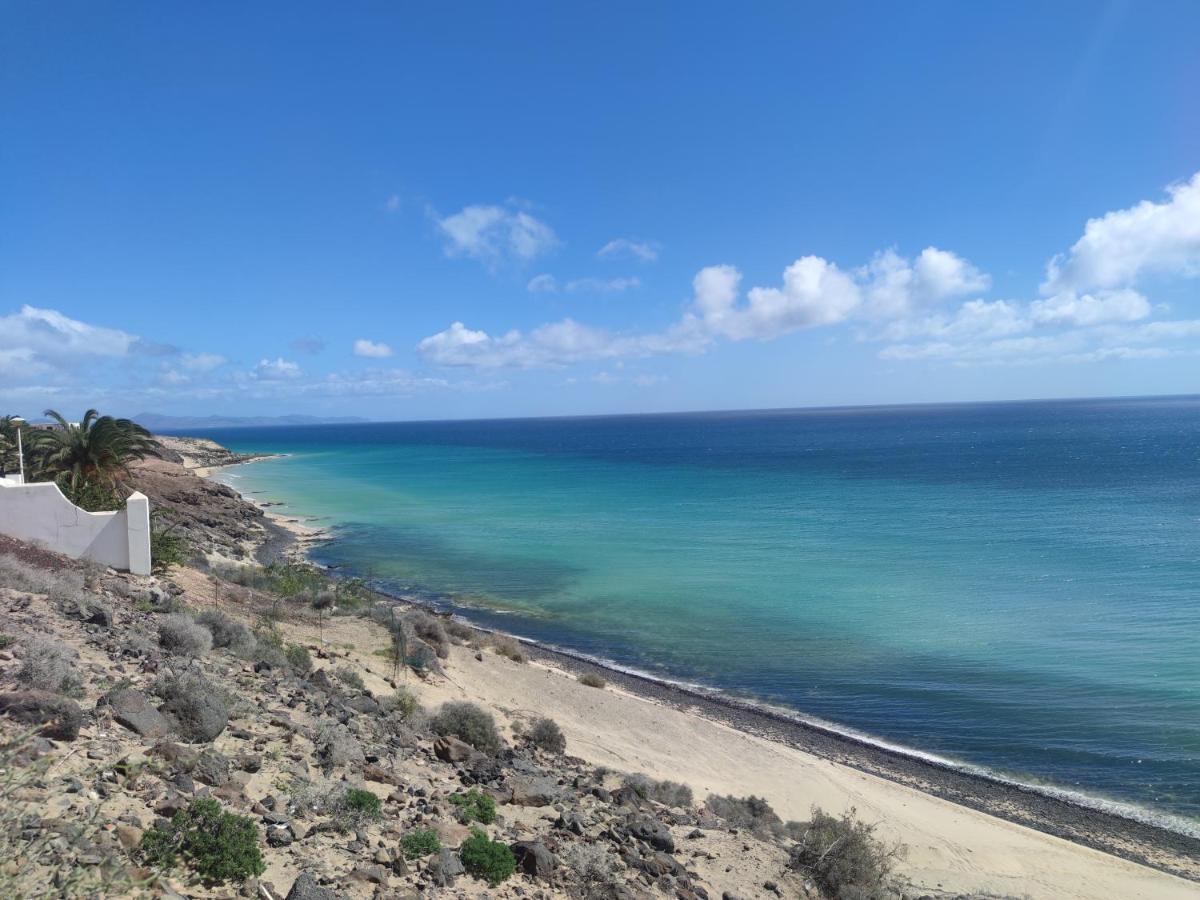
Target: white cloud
{"x":278,"y":369}
{"x":1122,"y":246}
{"x":392,"y":204}
{"x":371,"y":349}
{"x":603,"y":285}
{"x":49,"y":335}
{"x":18,"y":362}
{"x":626,"y":248}
{"x":1090,"y":309}
{"x":542,"y":284}
{"x":202,"y":362}
{"x":974,"y":319}
{"x":894,"y":286}
{"x":495,"y":234}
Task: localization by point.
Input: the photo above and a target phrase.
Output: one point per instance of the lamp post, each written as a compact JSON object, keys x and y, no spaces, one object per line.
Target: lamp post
{"x":18,"y":421}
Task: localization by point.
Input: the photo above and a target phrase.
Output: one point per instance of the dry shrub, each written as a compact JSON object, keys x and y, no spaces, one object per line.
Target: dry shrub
{"x":178,"y":634}
{"x":668,"y":793}
{"x":844,"y":857}
{"x":50,"y":666}
{"x":508,"y":648}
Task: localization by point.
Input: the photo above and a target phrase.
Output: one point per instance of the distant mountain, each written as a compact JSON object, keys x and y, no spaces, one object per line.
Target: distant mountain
{"x":158,"y":422}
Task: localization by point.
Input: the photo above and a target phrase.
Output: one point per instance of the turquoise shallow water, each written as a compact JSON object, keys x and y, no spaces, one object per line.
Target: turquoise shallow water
{"x":1014,"y":586}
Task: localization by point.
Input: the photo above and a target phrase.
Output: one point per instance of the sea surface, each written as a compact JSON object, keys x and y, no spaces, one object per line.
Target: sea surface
{"x":1010,"y":586}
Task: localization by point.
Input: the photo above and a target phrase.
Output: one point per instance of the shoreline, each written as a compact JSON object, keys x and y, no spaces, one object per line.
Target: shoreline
{"x":1042,"y":809}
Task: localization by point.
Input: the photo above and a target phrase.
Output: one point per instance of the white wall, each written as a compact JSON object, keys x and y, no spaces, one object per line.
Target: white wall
{"x":39,"y":513}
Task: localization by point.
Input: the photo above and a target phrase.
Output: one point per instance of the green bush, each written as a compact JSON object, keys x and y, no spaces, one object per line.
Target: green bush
{"x":469,"y":723}
{"x":668,"y":793}
{"x":6,"y":641}
{"x":475,"y":807}
{"x":546,"y":735}
{"x":298,"y":658}
{"x":486,"y":859}
{"x":362,"y":803}
{"x":420,"y":842}
{"x":166,"y":548}
{"x":752,"y":813}
{"x":350,"y":678}
{"x":844,"y":857}
{"x":217,"y":845}
{"x":404,"y":703}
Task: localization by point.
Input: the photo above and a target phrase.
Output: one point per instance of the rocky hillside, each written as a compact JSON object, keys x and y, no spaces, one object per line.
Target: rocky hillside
{"x":195,"y":736}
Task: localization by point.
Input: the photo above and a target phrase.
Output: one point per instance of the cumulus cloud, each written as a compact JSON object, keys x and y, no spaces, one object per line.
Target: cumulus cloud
{"x":495,"y":234}
{"x":50,"y":336}
{"x":894,"y":286}
{"x":1090,"y":309}
{"x":627,"y":248}
{"x":1121,"y":247}
{"x":278,"y":369}
{"x":371,"y":349}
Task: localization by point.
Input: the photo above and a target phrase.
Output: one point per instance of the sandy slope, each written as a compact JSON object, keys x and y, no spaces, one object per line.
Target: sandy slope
{"x":951,"y":848}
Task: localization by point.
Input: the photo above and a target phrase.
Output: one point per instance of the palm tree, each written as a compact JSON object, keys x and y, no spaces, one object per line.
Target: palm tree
{"x":8,"y":443}
{"x":94,"y":454}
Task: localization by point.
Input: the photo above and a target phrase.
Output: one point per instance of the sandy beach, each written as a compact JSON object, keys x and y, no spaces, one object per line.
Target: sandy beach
{"x":953,"y":847}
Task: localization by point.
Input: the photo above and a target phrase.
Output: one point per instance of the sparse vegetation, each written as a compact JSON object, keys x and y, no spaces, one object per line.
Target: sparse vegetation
{"x":486,"y":859}
{"x":403,"y":703}
{"x":420,"y":842}
{"x":227,"y":633}
{"x":298,"y":658}
{"x":458,"y":630}
{"x":546,"y":735}
{"x":668,"y":793}
{"x":49,"y":666}
{"x":474,"y":806}
{"x":508,"y":648}
{"x":468,"y":723}
{"x":429,"y":629}
{"x":167,"y":547}
{"x":349,"y":677}
{"x":592,"y":680}
{"x":844,"y":857}
{"x":216,"y":845}
{"x":752,"y":813}
{"x":181,"y":635}
{"x":198,"y":708}
{"x":356,"y":807}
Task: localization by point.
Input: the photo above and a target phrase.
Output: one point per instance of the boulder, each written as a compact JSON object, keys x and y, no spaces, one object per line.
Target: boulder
{"x":531,"y":790}
{"x":534,"y":859}
{"x":337,"y":747}
{"x":305,"y":887}
{"x":132,"y":709}
{"x":653,"y":832}
{"x":59,"y":717}
{"x":444,"y":868}
{"x":452,"y":750}
{"x":196,"y":708}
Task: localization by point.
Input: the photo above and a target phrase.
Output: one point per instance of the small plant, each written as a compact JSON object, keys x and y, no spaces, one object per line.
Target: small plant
{"x":357,"y":806}
{"x":546,"y":735}
{"x":429,"y":629}
{"x":468,"y":723}
{"x":298,"y":658}
{"x":6,"y":641}
{"x":200,"y":711}
{"x":179,"y":635}
{"x":166,"y":547}
{"x":403,"y":703}
{"x":459,"y":631}
{"x":350,"y":678}
{"x":753,"y":813}
{"x":844,"y":857}
{"x":226,"y":632}
{"x":486,"y":859}
{"x":474,"y":806}
{"x":217,"y":845}
{"x":509,"y":648}
{"x":590,"y":679}
{"x":50,"y":666}
{"x":420,"y":842}
{"x":668,"y":793}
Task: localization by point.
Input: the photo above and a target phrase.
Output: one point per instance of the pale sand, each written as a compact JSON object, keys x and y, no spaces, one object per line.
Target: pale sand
{"x":950,"y":848}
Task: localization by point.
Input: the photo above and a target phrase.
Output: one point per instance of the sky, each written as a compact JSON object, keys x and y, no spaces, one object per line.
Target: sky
{"x":445,"y":210}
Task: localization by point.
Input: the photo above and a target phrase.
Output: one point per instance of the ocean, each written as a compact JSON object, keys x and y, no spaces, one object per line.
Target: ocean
{"x":1008,"y":586}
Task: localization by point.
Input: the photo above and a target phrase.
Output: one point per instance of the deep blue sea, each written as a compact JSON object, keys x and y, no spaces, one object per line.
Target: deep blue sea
{"x":1013,"y":586}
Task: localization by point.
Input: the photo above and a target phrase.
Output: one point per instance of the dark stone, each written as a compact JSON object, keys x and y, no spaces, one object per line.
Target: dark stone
{"x":338,"y":747}
{"x":197,"y":709}
{"x":444,"y":868}
{"x":305,"y":887}
{"x":570,"y":820}
{"x":532,"y":790}
{"x":59,"y":717}
{"x":653,"y":832}
{"x":132,"y":709}
{"x":534,"y":859}
{"x":212,"y":768}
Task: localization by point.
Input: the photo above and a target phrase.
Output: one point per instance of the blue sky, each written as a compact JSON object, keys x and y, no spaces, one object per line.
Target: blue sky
{"x":409,"y":211}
